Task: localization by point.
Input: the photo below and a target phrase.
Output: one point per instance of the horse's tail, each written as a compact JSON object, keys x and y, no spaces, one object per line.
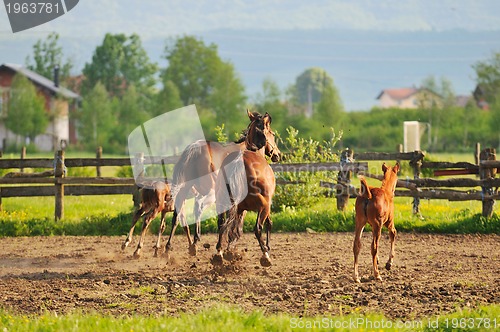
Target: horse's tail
{"x":234,"y":224}
{"x":365,"y":189}
{"x":232,"y":189}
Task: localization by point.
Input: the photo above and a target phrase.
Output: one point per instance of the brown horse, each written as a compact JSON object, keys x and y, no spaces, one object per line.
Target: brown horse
{"x":155,"y":198}
{"x":196,"y":172}
{"x":246,"y":183}
{"x":375,"y":206}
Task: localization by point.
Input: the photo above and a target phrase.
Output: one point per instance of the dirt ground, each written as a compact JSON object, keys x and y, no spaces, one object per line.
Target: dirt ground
{"x":311,"y":275}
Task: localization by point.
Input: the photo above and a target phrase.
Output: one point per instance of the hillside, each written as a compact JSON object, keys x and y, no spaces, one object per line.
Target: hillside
{"x":362,"y":63}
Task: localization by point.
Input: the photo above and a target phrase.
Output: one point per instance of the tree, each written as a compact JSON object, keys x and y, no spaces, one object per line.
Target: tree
{"x":204,"y":79}
{"x":309,"y":87}
{"x":227,"y":98}
{"x":191,"y":67}
{"x":129,"y":114}
{"x":270,"y":101}
{"x":119,"y":62}
{"x":488,"y":77}
{"x":168,"y":99}
{"x":329,"y":110}
{"x":488,"y":81}
{"x":26,"y":114}
{"x":47,"y":54}
{"x":98,"y":120}
{"x":438,"y":99}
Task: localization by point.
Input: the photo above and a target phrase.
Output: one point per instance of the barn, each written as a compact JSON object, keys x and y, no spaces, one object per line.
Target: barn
{"x":59,"y":101}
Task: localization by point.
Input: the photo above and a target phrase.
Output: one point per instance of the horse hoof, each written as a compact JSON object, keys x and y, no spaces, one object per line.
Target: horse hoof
{"x":216,"y":260}
{"x":357,"y":280}
{"x":379,"y":278}
{"x":193,"y":250}
{"x":137,"y":255}
{"x":265,"y":261}
{"x":388,"y":266}
{"x":124,"y":245}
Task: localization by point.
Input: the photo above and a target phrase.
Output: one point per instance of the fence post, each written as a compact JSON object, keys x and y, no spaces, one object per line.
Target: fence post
{"x":344,"y":180}
{"x":416,"y":164}
{"x":477,"y":153}
{"x":59,"y":173}
{"x":98,"y":156}
{"x":487,"y":173}
{"x":23,"y":156}
{"x":400,"y":150}
{"x":139,"y":170}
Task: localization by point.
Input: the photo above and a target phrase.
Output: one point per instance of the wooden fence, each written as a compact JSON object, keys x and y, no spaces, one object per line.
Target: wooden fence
{"x":54,"y":182}
{"x":430,"y":188}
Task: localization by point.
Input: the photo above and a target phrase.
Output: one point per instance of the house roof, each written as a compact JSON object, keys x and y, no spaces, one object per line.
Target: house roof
{"x":398,"y":94}
{"x":41,"y":80}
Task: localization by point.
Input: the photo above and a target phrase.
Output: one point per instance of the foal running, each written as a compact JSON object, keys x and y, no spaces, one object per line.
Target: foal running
{"x":375,"y":206}
{"x":155,"y":198}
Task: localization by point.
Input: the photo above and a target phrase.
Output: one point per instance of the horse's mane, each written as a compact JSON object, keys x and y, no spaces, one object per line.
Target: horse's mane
{"x":244,"y":133}
{"x":243,"y":136}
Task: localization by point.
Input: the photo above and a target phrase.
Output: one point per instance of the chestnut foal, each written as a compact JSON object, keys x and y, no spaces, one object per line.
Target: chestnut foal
{"x":156,"y":197}
{"x":375,"y":206}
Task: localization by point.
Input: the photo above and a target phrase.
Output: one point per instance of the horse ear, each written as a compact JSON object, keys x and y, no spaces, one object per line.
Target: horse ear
{"x":396,"y":168}
{"x":251,"y":116}
{"x":384,"y":168}
{"x":267,"y":118}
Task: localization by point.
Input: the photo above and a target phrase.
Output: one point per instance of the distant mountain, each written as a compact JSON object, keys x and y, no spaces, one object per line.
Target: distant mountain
{"x":362,"y":63}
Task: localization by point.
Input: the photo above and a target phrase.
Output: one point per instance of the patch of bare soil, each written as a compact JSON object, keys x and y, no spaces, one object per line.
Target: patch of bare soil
{"x":311,"y":275}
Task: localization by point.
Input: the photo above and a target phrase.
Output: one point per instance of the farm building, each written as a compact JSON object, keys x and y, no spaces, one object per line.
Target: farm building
{"x":58,"y":101}
{"x":406,"y":97}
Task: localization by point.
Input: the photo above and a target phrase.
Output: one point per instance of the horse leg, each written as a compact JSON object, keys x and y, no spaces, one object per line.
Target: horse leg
{"x":178,"y":214}
{"x":136,"y":217}
{"x":356,"y":248}
{"x":269,"y":227}
{"x":147,"y":220}
{"x":217,"y":258}
{"x":175,"y":222}
{"x":377,"y":231}
{"x":392,"y":237}
{"x":197,"y":210}
{"x":261,"y":217}
{"x":162,"y":229}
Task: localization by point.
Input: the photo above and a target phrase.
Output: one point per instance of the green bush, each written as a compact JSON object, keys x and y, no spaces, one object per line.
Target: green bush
{"x":81,"y":171}
{"x":125,"y":172}
{"x":303,"y":188}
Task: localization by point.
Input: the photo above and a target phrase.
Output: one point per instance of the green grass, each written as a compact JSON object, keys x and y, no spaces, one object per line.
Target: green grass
{"x":112,"y":215}
{"x":222,"y":318}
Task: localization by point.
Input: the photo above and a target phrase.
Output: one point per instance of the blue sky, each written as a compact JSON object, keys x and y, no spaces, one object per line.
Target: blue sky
{"x":83,"y":28}
{"x":155,"y":18}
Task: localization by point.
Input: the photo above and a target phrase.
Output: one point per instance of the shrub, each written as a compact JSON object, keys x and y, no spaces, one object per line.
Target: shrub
{"x":303,"y":188}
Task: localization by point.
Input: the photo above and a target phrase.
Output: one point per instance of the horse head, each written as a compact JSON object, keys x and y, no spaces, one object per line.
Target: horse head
{"x":260,"y":135}
{"x":390,"y":176}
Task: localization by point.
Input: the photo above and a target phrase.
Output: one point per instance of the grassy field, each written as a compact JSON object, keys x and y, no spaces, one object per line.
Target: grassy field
{"x":230,"y":318}
{"x":111,"y":215}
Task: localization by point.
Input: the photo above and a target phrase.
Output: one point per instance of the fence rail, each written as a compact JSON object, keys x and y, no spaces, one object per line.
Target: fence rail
{"x":53,"y":182}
